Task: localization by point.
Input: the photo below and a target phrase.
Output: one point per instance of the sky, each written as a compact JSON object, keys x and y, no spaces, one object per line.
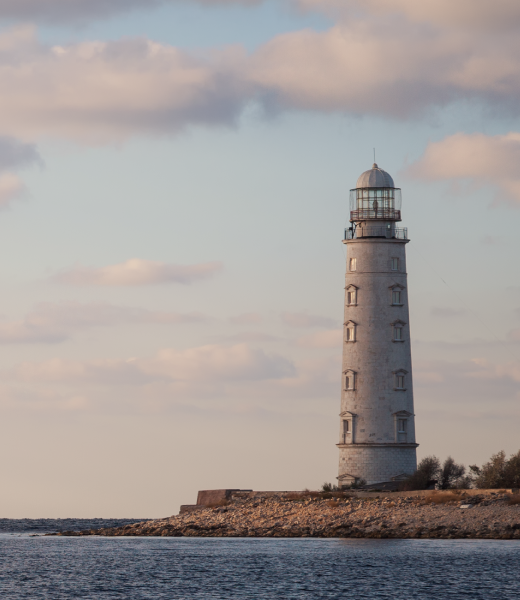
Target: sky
{"x":174,"y":183}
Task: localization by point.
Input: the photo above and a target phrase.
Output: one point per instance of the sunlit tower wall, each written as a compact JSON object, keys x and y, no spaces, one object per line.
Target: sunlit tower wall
{"x":377,"y":428}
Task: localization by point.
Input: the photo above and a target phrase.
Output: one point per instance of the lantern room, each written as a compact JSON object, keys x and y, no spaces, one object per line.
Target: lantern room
{"x":375,"y":197}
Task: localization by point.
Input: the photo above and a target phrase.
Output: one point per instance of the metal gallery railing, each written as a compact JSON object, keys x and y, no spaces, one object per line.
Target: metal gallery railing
{"x":396,"y":233}
{"x":389,"y":214}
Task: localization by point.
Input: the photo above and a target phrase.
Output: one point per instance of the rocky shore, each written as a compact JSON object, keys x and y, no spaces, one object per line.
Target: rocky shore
{"x":486,"y":515}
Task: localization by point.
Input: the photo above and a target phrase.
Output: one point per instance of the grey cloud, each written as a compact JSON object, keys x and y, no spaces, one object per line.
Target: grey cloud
{"x":192,"y":367}
{"x":15,"y":154}
{"x":78,"y":11}
{"x":50,"y":323}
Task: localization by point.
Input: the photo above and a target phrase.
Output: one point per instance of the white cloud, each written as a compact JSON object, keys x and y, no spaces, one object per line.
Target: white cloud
{"x":11,"y":188}
{"x":476,"y":159}
{"x":251,"y":337}
{"x":64,"y":11}
{"x":464,"y":14}
{"x":303,"y":320}
{"x":208,"y":364}
{"x":105,"y":92}
{"x":322,"y":339}
{"x":137,"y":272}
{"x":50,"y":323}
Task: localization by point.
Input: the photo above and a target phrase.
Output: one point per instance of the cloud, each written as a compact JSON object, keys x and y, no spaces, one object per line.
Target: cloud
{"x":50,"y":323}
{"x":246,"y":319}
{"x":11,"y":188}
{"x":105,"y":92}
{"x":464,"y":14}
{"x":305,"y":320}
{"x":322,"y":339}
{"x":209,"y":364}
{"x":475,"y":158}
{"x":66,"y":11}
{"x":470,"y":383}
{"x":15,"y":154}
{"x":439,"y":311}
{"x":137,"y":272}
{"x":251,"y":337}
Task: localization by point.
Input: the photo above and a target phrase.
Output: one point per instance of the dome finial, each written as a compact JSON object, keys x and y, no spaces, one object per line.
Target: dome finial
{"x":374,"y":166}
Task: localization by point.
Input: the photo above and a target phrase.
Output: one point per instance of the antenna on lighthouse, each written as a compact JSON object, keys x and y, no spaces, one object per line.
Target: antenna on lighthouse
{"x":374,"y":155}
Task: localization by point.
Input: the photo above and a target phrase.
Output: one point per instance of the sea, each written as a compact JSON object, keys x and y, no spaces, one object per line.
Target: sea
{"x":34,"y":566}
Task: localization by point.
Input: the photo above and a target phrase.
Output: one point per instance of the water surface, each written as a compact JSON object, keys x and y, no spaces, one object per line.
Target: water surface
{"x":228,"y":569}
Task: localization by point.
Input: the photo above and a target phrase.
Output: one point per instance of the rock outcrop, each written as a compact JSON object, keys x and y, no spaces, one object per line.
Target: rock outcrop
{"x":491,"y":515}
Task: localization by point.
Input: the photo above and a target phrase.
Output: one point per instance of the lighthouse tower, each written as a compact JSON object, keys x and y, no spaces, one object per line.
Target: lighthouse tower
{"x":377,"y":429}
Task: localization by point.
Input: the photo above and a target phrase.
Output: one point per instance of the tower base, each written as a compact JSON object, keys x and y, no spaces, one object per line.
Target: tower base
{"x":375,"y":463}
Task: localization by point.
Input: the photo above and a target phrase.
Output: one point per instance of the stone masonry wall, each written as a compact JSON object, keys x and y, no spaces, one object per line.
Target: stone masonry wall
{"x":376,"y":464}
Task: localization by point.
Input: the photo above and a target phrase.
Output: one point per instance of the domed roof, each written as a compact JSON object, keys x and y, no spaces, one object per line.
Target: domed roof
{"x":375,"y":178}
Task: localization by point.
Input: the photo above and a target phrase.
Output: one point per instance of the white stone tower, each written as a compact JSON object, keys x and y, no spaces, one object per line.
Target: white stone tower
{"x":377,"y":432}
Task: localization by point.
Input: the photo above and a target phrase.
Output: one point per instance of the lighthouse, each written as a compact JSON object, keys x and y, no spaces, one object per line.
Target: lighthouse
{"x":377,"y":428}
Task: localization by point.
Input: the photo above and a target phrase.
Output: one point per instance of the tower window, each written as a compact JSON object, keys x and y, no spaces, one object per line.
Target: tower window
{"x":401,"y":419}
{"x":398,"y":333}
{"x":350,"y":333}
{"x":346,"y":426}
{"x":352,"y":295}
{"x":396,"y":297}
{"x":353,"y":264}
{"x":350,"y":380}
{"x":400,"y":380}
{"x":395,"y":264}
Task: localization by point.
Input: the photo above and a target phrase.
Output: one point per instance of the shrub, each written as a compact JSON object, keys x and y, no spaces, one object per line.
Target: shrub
{"x":438,"y":497}
{"x":295,"y":496}
{"x":329,"y":487}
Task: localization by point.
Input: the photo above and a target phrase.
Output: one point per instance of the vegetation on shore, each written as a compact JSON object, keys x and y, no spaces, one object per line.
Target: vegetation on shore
{"x":498,"y":472}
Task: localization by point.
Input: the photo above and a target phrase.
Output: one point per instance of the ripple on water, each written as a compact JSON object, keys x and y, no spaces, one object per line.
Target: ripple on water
{"x":232,"y":569}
